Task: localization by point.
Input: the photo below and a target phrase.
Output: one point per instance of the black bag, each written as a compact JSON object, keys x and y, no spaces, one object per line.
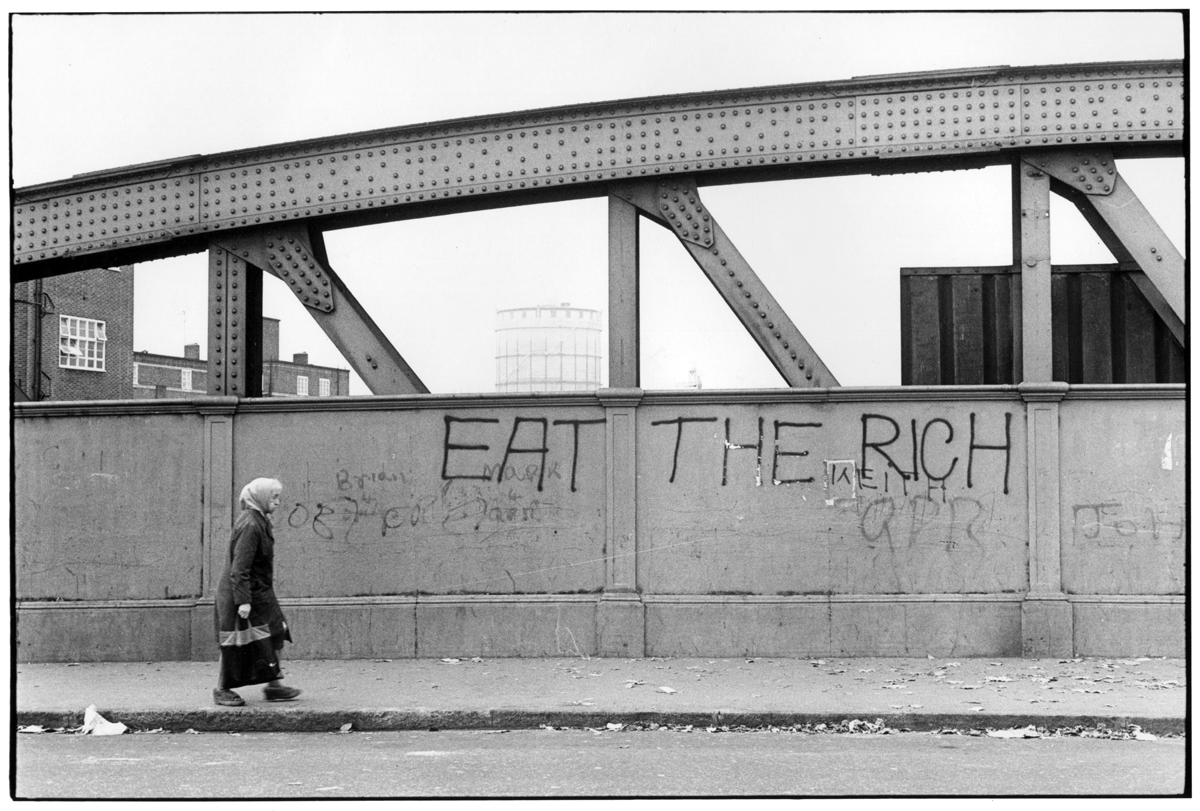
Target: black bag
{"x":248,"y":657}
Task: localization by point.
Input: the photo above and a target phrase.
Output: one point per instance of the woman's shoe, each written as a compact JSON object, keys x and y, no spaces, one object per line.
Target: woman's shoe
{"x":280,"y":693}
{"x":228,"y":698}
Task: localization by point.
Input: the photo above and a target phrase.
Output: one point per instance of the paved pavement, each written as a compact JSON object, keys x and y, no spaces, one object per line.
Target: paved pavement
{"x":419,"y":694}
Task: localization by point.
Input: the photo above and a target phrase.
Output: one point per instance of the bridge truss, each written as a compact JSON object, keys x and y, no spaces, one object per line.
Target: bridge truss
{"x":1062,"y":129}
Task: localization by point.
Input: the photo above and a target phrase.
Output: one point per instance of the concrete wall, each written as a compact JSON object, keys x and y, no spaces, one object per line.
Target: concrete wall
{"x":404,"y":502}
{"x":1124,"y":523}
{"x":949,"y":521}
{"x":108,"y":507}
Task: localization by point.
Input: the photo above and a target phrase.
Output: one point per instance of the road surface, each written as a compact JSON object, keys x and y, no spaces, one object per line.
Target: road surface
{"x":582,"y":763}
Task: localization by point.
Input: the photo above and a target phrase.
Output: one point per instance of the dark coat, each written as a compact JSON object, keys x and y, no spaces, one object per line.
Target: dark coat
{"x":249,"y":577}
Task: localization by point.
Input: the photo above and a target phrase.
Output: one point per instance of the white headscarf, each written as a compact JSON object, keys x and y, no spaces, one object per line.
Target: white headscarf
{"x":257,"y":494}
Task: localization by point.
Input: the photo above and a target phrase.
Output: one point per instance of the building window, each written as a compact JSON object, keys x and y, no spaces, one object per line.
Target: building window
{"x":81,"y":343}
{"x":324,"y":386}
{"x":302,"y":386}
{"x":186,"y":379}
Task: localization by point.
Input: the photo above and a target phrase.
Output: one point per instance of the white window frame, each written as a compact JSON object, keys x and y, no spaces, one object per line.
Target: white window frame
{"x":302,"y":385}
{"x":81,"y":343}
{"x":323,"y":386}
{"x":185,"y":379}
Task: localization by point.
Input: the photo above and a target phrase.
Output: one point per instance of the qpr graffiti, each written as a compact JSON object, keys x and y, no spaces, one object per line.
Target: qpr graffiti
{"x":907,"y":521}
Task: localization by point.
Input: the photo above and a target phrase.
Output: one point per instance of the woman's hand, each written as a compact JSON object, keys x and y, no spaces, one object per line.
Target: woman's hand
{"x":244,"y":610}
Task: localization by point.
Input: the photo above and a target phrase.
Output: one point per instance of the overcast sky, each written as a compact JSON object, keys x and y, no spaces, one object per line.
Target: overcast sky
{"x":97,"y":92}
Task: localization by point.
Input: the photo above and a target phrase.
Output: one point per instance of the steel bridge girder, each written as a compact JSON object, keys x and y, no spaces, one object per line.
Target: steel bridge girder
{"x":164,"y":209}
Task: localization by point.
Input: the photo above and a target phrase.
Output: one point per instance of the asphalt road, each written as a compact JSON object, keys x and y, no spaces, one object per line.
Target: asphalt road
{"x":582,"y":763}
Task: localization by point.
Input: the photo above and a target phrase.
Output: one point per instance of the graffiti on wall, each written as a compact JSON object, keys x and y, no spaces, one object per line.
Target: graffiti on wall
{"x":910,"y":481}
{"x":1127,"y":518}
{"x":453,"y":511}
{"x":930,"y":482}
{"x":494,"y":476}
{"x":892,"y":458}
{"x":518,"y":447}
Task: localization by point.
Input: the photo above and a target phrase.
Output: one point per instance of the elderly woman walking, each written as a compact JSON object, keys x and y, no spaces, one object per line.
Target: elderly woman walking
{"x":251,"y":628}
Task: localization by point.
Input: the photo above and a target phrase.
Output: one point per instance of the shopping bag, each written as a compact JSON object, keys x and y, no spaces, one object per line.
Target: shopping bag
{"x":248,"y":655}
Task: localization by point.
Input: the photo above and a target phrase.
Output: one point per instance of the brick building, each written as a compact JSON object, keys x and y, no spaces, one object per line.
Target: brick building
{"x":298,"y":377}
{"x":73,"y":336}
{"x":158,"y":376}
{"x":72,"y":339}
{"x":171,"y":376}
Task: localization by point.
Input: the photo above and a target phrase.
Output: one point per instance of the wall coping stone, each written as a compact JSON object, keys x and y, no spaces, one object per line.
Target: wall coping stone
{"x":601,"y":397}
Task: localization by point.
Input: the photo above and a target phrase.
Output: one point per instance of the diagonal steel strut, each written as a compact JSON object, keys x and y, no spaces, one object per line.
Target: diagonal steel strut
{"x":297,"y":256}
{"x":1090,"y":180}
{"x":675,"y":204}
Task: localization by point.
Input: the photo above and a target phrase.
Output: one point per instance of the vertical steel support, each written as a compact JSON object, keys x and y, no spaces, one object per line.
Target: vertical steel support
{"x":620,"y":617}
{"x":1047,"y":626}
{"x":234,"y":325}
{"x":1031,"y":238}
{"x":1089,"y":179}
{"x":624,"y":350}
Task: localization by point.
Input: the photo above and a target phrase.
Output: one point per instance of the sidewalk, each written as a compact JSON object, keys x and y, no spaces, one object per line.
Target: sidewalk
{"x":420,"y":694}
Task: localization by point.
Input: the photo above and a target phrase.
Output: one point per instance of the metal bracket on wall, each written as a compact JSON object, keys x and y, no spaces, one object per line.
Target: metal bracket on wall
{"x":297,"y":256}
{"x":1090,"y":180}
{"x":675,"y":204}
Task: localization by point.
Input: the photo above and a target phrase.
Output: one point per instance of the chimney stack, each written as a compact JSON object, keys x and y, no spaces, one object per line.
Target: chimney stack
{"x":300,"y":358}
{"x":192,"y":351}
{"x":270,"y":339}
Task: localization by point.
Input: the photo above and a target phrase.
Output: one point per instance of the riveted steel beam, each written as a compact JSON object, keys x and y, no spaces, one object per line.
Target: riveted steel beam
{"x":297,"y":256}
{"x":234,"y":325}
{"x":913,"y":122}
{"x":1089,"y":178}
{"x":675,"y":204}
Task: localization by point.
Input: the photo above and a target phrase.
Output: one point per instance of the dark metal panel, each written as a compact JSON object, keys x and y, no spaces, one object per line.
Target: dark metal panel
{"x":1137,"y":337}
{"x":1074,"y":331}
{"x":906,"y":326}
{"x":1060,"y":335}
{"x":1102,"y":330}
{"x":517,"y":158}
{"x":1171,"y":360}
{"x":998,"y":328}
{"x":967,"y":298}
{"x":1095,"y":301}
{"x":923,"y":334}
